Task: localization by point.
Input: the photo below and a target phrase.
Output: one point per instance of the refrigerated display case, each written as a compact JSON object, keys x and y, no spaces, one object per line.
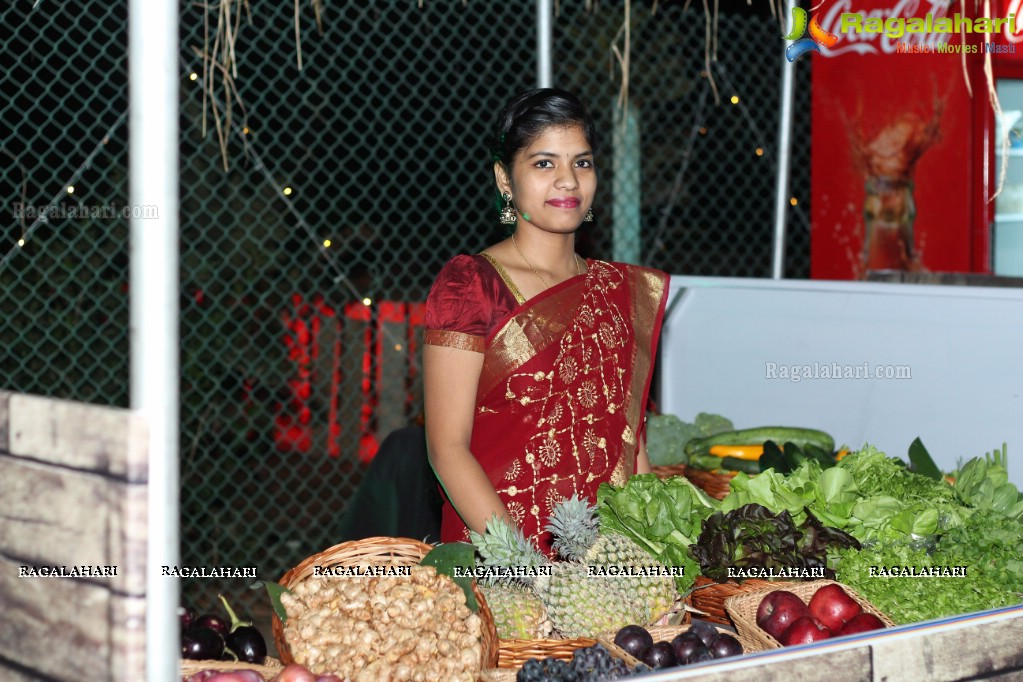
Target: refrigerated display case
{"x":1007,"y":229}
{"x":1006,"y":153}
{"x":901,"y":165}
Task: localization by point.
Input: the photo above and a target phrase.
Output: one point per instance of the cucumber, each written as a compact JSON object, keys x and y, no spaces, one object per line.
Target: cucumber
{"x":760,"y":435}
{"x":774,"y":458}
{"x":825,"y":457}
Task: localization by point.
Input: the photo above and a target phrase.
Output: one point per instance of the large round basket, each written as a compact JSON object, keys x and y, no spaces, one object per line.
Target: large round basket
{"x":378,"y":551}
{"x":708,"y":597}
{"x":714,"y":484}
{"x":270,"y":668}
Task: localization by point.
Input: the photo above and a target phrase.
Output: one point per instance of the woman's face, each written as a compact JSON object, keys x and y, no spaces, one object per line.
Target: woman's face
{"x":552,"y":180}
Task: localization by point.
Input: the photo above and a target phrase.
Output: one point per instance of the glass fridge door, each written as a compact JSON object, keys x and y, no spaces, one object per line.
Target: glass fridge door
{"x":1007,"y":237}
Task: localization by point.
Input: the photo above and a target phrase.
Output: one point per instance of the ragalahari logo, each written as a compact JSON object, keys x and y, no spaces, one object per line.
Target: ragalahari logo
{"x":818,"y":36}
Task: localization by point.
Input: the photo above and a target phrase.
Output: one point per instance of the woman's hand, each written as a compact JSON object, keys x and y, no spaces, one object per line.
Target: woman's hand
{"x":451,"y":379}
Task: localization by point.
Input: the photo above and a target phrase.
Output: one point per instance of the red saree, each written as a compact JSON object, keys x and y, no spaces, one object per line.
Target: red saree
{"x":564,"y":384}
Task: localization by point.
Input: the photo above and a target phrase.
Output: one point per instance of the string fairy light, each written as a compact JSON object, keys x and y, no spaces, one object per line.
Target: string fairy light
{"x":41,"y":217}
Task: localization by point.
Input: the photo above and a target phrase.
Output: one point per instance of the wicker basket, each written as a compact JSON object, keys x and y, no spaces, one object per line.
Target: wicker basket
{"x":743,"y":610}
{"x":514,"y":652}
{"x":664,"y":633}
{"x":714,"y":484}
{"x":549,"y":648}
{"x":270,"y":668}
{"x":709,"y":597}
{"x":379,"y":551}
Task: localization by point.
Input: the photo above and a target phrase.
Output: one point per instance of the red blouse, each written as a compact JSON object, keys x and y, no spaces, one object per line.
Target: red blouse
{"x":470,"y":297}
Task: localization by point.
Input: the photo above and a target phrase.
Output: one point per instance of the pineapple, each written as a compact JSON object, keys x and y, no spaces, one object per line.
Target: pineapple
{"x":579,"y":603}
{"x":518,"y":612}
{"x":574,"y":527}
{"x":656,"y":593}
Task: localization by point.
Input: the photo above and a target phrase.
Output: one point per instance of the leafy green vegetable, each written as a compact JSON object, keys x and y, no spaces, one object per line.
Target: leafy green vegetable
{"x":712,"y":424}
{"x":666,"y":438}
{"x":921,"y":462}
{"x":983,"y":482}
{"x":993,"y":572}
{"x":667,"y":435}
{"x":662,"y":516}
{"x":753,"y":537}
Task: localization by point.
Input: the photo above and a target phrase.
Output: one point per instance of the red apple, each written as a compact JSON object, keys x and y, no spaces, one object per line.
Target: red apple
{"x":805,"y":630}
{"x":863,"y":622}
{"x":833,"y":606}
{"x":778,"y":610}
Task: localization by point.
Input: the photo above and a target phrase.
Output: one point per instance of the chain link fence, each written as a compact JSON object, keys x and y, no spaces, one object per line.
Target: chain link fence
{"x":318,"y":203}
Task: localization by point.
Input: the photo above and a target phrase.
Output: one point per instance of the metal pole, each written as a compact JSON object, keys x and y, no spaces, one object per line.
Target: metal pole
{"x":781,"y":198}
{"x":153,"y":180}
{"x":543,"y":43}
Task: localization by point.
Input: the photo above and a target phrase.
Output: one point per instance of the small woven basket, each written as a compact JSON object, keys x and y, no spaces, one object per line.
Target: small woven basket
{"x":714,"y":484}
{"x":378,"y":551}
{"x":513,"y":653}
{"x":270,"y":668}
{"x":709,"y":597}
{"x":663,"y":633}
{"x":743,"y":610}
{"x":660,"y":633}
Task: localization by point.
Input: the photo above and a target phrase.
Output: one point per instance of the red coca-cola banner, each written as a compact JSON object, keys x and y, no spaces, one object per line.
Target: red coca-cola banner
{"x":1006,"y":36}
{"x":893,"y":160}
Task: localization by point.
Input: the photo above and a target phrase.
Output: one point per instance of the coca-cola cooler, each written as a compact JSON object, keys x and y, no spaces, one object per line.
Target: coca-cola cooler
{"x":1004,"y":129}
{"x":904,"y":153}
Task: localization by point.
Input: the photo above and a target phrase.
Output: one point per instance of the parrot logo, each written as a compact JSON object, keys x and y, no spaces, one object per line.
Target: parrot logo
{"x":818,"y":36}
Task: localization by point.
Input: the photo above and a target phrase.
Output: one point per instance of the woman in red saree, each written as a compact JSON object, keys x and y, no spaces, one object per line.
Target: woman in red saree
{"x":538,"y":363}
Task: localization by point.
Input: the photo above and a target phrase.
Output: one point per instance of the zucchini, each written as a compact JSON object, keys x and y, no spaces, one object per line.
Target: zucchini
{"x":759,"y":436}
{"x":749,"y":466}
{"x":749,"y":452}
{"x":704,"y":462}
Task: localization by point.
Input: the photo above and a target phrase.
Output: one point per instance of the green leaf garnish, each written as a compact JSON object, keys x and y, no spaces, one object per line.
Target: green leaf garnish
{"x":275,"y":590}
{"x":921,"y":462}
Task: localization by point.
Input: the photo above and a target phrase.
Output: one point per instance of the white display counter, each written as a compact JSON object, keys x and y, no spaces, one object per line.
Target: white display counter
{"x":982,"y":646}
{"x":944,"y":363}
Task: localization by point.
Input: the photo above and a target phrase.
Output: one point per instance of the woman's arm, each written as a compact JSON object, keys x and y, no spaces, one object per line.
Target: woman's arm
{"x":451,"y":378}
{"x":642,"y":460}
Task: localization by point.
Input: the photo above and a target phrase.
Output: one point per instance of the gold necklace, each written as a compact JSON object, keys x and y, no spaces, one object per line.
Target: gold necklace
{"x":578,"y":266}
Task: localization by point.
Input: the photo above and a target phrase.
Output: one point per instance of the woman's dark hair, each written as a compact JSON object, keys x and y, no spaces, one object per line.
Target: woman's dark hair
{"x":530,"y":113}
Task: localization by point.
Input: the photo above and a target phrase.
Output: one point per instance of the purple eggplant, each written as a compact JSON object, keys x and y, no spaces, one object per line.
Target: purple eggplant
{"x":247,"y":643}
{"x":212,"y":622}
{"x":202,"y":644}
{"x":186,"y":616}
{"x":244,"y":640}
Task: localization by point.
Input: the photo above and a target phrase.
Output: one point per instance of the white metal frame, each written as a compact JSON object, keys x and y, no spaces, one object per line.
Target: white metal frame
{"x":153,"y":44}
